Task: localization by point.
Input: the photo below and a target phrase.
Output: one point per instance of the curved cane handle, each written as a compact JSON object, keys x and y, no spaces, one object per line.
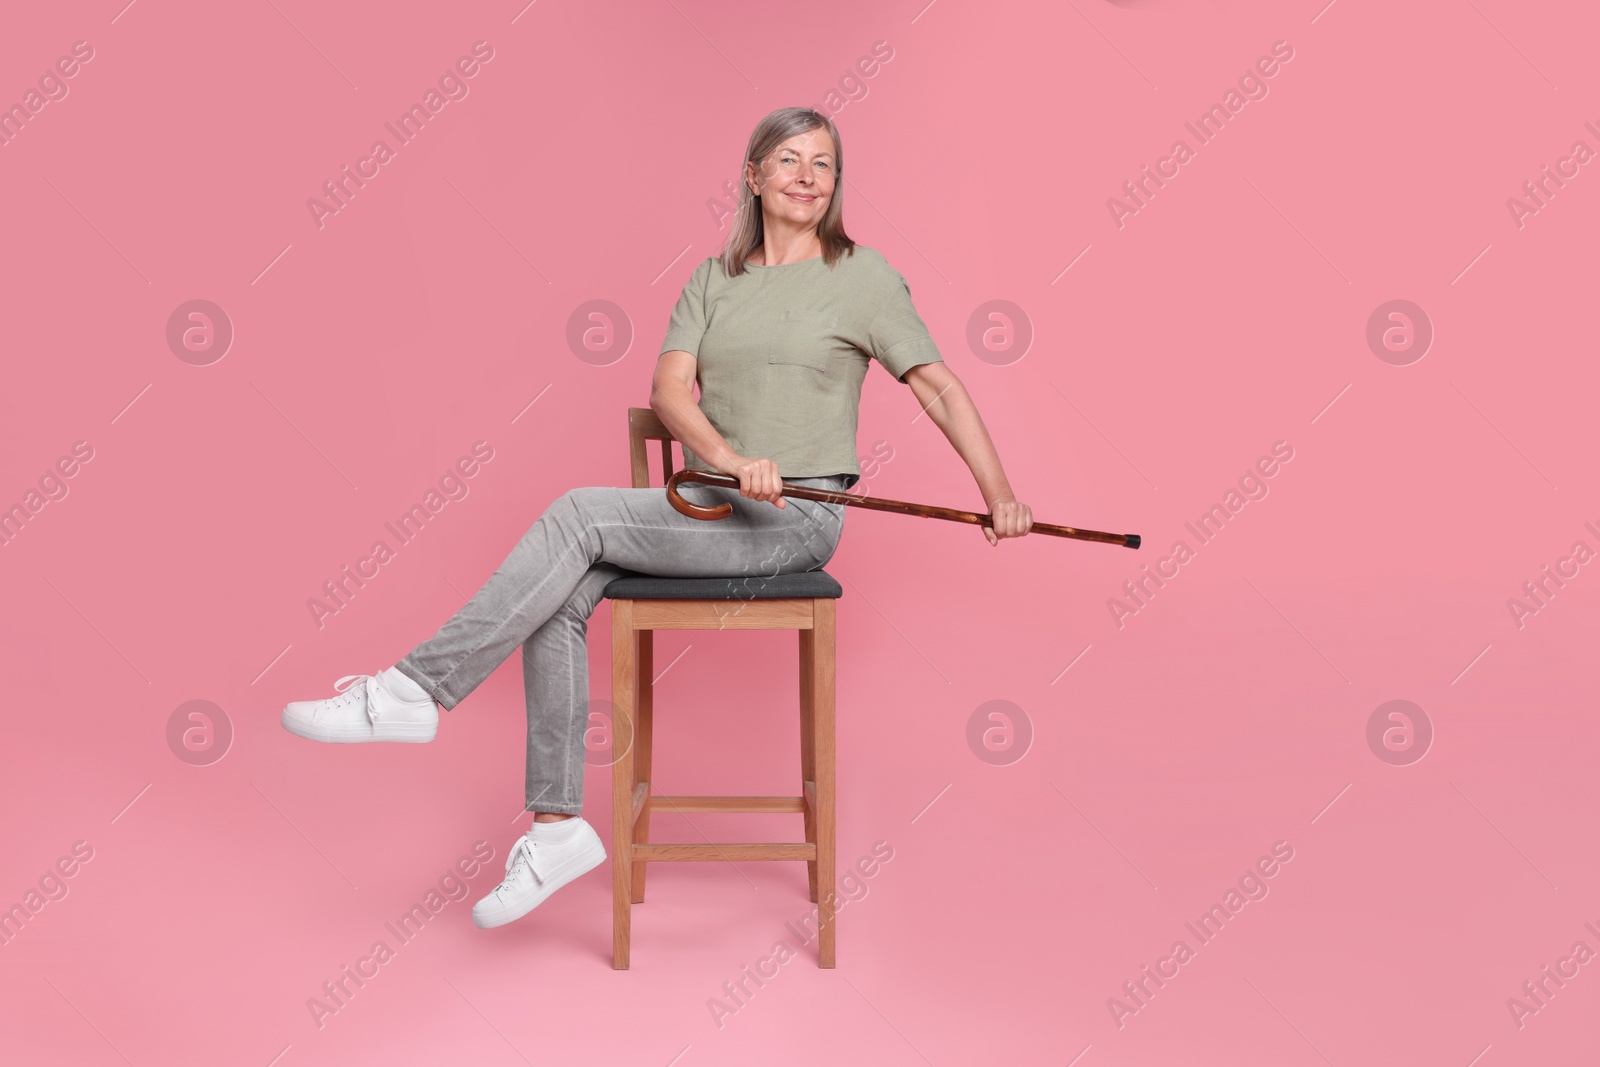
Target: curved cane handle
{"x":696,"y":511}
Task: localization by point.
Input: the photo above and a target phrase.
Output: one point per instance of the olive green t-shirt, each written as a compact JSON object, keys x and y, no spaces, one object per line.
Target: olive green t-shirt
{"x":781,"y":353}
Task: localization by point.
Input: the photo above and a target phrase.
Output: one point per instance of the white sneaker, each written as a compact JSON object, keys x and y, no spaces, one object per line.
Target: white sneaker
{"x":364,"y":710}
{"x":535,"y":869}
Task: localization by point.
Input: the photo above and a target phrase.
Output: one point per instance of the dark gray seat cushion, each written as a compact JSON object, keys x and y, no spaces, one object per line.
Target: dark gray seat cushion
{"x":635,"y":586}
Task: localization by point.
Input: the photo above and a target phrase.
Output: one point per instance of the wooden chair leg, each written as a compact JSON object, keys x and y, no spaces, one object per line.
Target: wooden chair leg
{"x":623,"y":669}
{"x":822,"y":728}
{"x":808,"y":764}
{"x":644,"y":702}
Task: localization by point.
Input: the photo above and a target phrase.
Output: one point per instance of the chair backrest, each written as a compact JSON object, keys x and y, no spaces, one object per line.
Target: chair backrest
{"x":644,"y":425}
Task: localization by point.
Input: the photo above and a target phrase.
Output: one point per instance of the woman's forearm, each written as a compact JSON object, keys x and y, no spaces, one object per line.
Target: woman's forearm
{"x":952,"y":409}
{"x":674,"y":404}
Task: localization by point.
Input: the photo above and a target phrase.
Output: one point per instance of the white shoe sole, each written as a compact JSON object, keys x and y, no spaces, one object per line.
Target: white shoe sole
{"x":580,"y":864}
{"x":414,"y":732}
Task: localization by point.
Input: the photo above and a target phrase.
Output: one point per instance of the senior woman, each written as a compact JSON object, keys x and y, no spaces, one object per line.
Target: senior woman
{"x":778,"y":332}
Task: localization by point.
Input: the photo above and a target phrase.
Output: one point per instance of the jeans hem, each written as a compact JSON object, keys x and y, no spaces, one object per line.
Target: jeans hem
{"x":439,"y":693}
{"x":553,"y":809}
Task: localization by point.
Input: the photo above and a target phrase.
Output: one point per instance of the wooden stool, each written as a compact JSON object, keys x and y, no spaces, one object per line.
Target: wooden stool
{"x":642,"y":604}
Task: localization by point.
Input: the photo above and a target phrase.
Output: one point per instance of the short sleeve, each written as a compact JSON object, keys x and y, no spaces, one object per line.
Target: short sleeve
{"x":897,"y":337}
{"x":688,"y":323}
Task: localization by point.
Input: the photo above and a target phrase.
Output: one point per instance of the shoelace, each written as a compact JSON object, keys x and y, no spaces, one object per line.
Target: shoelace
{"x":350,"y":687}
{"x":522,"y":851}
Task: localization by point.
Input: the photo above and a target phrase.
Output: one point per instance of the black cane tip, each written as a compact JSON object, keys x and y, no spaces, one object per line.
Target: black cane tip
{"x":1133,"y":541}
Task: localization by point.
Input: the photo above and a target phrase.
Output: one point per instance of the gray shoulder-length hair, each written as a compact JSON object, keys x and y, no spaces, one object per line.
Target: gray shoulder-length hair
{"x":748,"y":229}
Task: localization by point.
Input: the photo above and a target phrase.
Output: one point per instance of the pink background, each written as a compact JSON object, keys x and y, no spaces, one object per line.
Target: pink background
{"x":1229,"y":714}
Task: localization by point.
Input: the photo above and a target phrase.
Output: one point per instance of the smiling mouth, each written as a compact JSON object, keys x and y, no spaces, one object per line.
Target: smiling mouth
{"x":800,"y":197}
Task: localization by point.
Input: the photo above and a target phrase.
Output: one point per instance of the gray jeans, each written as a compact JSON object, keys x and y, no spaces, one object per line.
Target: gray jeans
{"x":541,"y":598}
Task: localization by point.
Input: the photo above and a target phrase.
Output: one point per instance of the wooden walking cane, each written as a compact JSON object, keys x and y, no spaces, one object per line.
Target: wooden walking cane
{"x":927,"y":511}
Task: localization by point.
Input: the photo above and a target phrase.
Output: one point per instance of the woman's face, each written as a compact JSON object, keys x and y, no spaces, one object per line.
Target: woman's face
{"x":796,"y":181}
